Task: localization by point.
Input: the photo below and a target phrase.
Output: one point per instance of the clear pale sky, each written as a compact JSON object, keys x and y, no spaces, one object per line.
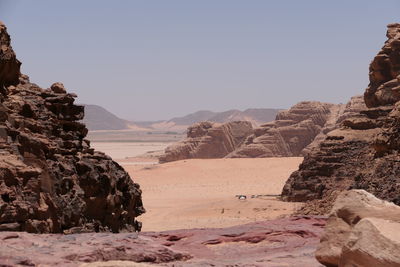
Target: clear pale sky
{"x":150,"y":60}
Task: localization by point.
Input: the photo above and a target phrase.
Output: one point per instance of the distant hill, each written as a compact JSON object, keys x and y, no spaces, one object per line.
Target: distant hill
{"x":98,"y":118}
{"x":191,"y":118}
{"x":256,"y":116}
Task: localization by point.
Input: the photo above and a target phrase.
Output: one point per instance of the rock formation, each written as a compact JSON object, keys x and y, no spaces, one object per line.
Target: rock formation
{"x":362,"y":230}
{"x":291,"y":132}
{"x":9,"y":64}
{"x":295,"y":132}
{"x":50,"y":178}
{"x":282,"y":242}
{"x":363,"y":153}
{"x":209,"y":140}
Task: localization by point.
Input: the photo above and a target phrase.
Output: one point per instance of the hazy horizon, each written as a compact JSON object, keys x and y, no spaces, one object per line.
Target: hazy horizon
{"x":155,"y":60}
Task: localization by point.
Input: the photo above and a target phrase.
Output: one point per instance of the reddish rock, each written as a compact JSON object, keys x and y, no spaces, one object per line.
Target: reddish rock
{"x":364,"y":152}
{"x":9,"y":64}
{"x":208,"y":140}
{"x":282,"y":242}
{"x":291,"y":132}
{"x":50,"y":179}
{"x":384,"y":72}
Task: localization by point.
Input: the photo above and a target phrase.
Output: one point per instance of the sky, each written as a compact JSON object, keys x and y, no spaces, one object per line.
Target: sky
{"x":154,"y":60}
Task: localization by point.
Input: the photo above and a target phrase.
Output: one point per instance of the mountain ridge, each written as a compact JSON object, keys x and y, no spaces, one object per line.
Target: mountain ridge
{"x":99,"y":118}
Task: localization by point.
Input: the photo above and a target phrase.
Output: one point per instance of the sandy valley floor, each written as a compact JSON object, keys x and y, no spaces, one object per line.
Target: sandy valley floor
{"x":202,"y":192}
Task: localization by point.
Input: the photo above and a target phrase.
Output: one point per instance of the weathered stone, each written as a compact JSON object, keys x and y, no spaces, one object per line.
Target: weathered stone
{"x":364,"y":152}
{"x":281,"y":242}
{"x":343,"y":230}
{"x":50,"y":179}
{"x":209,"y":140}
{"x":372,"y":242}
{"x":9,"y":64}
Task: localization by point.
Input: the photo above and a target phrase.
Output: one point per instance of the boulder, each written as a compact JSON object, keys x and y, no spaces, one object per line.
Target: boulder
{"x":361,"y":230}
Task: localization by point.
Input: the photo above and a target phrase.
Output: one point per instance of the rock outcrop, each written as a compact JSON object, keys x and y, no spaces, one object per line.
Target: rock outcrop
{"x":281,"y":242}
{"x":364,"y":152}
{"x":50,"y":179}
{"x":9,"y":64}
{"x":384,"y":71}
{"x":291,"y":132}
{"x":362,"y":230}
{"x":209,"y":140}
{"x":295,"y":132}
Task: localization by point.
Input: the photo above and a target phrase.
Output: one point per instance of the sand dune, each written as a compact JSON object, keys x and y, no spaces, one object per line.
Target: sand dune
{"x":201,"y":193}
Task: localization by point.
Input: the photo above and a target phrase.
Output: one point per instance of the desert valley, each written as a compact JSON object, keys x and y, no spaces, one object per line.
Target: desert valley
{"x":316,"y":184}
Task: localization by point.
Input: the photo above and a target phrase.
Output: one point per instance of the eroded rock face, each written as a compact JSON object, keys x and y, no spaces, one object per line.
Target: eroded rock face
{"x":291,"y":132}
{"x":209,"y":140}
{"x":9,"y":64}
{"x":384,"y":72}
{"x":363,"y":152}
{"x":50,"y":179}
{"x":362,"y":230}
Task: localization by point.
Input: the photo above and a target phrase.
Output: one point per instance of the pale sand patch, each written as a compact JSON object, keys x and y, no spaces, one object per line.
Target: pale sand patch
{"x":200,"y":193}
{"x":119,"y":151}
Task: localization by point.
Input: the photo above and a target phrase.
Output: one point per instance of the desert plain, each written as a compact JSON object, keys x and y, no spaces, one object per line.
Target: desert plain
{"x":204,"y":193}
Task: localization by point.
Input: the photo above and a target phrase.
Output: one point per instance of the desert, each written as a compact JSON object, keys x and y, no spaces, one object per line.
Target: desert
{"x":203,"y":193}
{"x":182,"y":174}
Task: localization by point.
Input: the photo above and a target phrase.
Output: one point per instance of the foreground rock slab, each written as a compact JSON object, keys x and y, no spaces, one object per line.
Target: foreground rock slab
{"x":283,"y":242}
{"x":362,"y":230}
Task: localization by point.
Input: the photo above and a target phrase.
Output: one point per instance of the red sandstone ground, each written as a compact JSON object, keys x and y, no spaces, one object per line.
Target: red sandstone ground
{"x":282,"y":242}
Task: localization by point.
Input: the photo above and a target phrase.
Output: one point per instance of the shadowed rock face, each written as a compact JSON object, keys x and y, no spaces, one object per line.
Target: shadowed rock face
{"x":363,"y":153}
{"x":209,"y":140}
{"x":384,"y":72}
{"x":9,"y":64}
{"x":50,"y":179}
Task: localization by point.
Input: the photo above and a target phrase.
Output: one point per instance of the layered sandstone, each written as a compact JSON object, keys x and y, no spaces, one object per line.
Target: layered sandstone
{"x":363,"y":153}
{"x":50,"y":179}
{"x":291,"y":132}
{"x":294,"y":132}
{"x":209,"y":140}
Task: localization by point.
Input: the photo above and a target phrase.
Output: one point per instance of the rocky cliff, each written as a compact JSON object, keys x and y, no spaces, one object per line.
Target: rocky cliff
{"x":50,"y":178}
{"x":294,"y":132}
{"x":291,"y":132}
{"x":209,"y":140}
{"x":363,"y":153}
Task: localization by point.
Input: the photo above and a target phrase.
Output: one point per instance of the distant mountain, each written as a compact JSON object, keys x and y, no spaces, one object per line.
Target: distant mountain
{"x":256,"y":116}
{"x":98,"y":118}
{"x":202,"y":115}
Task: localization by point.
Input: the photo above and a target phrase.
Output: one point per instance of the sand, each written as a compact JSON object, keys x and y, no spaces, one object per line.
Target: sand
{"x":120,"y":151}
{"x":201,"y":193}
